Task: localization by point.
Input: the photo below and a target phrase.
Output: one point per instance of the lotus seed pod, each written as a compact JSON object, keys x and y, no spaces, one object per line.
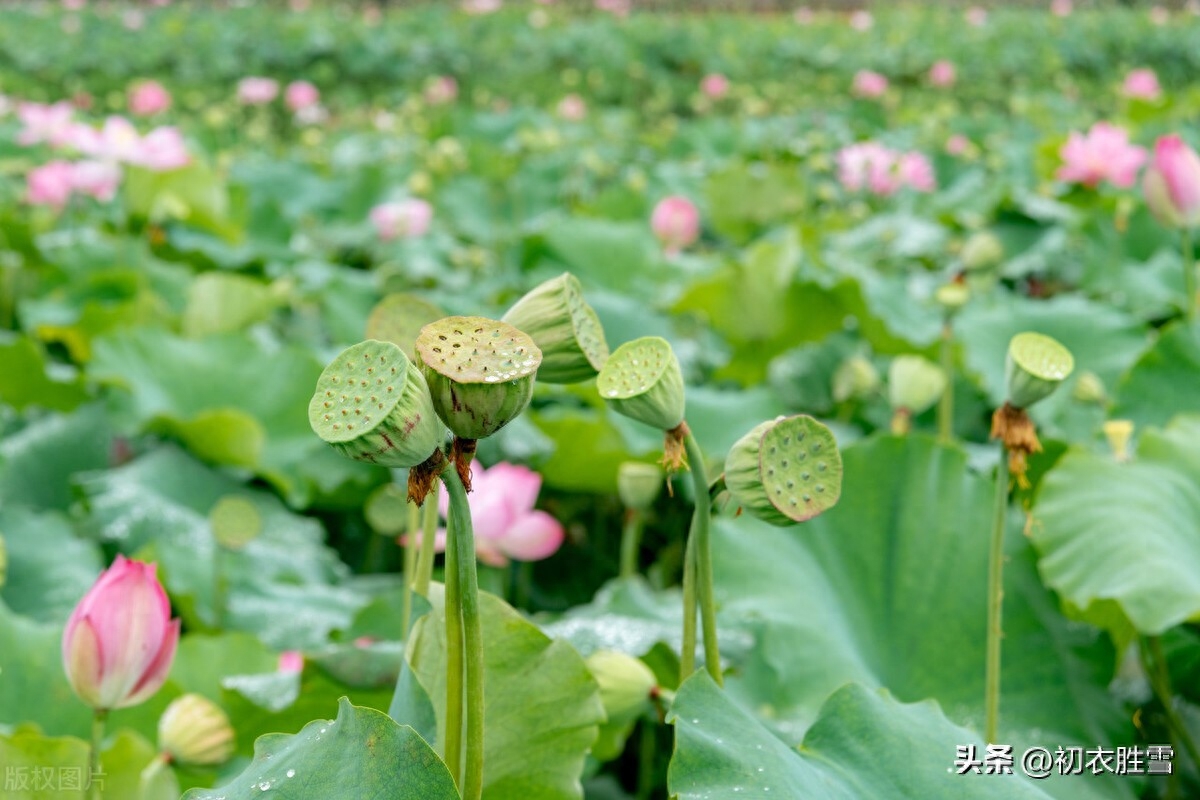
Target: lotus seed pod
{"x":982,"y":250}
{"x":642,"y":380}
{"x":565,"y":329}
{"x":626,"y":684}
{"x":372,"y":405}
{"x":639,"y":484}
{"x":952,"y":296}
{"x":235,"y":522}
{"x":1035,"y":367}
{"x":399,"y":317}
{"x":1089,"y":388}
{"x":194,"y":730}
{"x":785,"y":470}
{"x":480,"y":372}
{"x":386,"y":510}
{"x":914,"y":383}
{"x":855,"y":377}
{"x":1119,"y":433}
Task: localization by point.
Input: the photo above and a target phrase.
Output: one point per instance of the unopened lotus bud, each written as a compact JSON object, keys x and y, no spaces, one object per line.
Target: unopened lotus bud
{"x":914,"y":383}
{"x":952,"y":296}
{"x":235,"y":522}
{"x":785,"y":470}
{"x":399,"y":317}
{"x":372,"y":405}
{"x":982,"y":250}
{"x":1035,"y":367}
{"x":1089,"y":388}
{"x":639,"y":484}
{"x":1119,"y":433}
{"x":386,"y":510}
{"x":642,"y":380}
{"x":855,"y":377}
{"x":565,"y":329}
{"x":194,"y":730}
{"x":626,"y":684}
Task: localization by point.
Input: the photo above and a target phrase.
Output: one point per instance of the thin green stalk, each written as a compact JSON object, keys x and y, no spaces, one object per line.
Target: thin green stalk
{"x":701,"y":526}
{"x":410,"y":566}
{"x":99,"y":717}
{"x":428,"y":543}
{"x":463,"y":546}
{"x":946,"y":402}
{"x":455,"y":664}
{"x":374,"y":555}
{"x":1189,"y":275}
{"x":996,"y":598}
{"x":631,"y":542}
{"x":687,"y":654}
{"x":646,"y":755}
{"x":218,"y":573}
{"x":1154,"y":661}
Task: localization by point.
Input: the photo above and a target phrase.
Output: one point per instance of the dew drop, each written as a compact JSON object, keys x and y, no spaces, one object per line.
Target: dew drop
{"x":291,"y":773}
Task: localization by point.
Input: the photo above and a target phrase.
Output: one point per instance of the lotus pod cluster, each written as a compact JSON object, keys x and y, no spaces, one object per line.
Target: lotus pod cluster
{"x":399,"y":317}
{"x":564,"y":327}
{"x":372,"y":404}
{"x":785,"y":470}
{"x":642,"y":380}
{"x":1036,"y":365}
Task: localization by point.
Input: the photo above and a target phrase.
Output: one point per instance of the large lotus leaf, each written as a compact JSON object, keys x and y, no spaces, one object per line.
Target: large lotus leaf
{"x":220,"y":302}
{"x":26,"y":378}
{"x":1165,"y":381}
{"x":181,"y":381}
{"x":362,"y":751}
{"x":1126,"y":533}
{"x":38,"y":462}
{"x":542,"y":706}
{"x":888,"y":589}
{"x":39,"y":767}
{"x":283,"y":585}
{"x":49,"y":567}
{"x":863,"y":744}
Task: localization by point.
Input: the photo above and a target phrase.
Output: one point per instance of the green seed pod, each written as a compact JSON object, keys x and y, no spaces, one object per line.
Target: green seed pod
{"x":642,"y":380}
{"x":639,"y":484}
{"x":399,"y":317}
{"x":855,"y":377}
{"x":982,"y":250}
{"x":952,"y":296}
{"x":785,"y":470}
{"x":235,"y":522}
{"x":194,"y":730}
{"x":1035,"y":367}
{"x":1089,"y":388}
{"x":914,"y":383}
{"x":372,"y":405}
{"x":626,"y":684}
{"x":480,"y":372}
{"x":565,"y":329}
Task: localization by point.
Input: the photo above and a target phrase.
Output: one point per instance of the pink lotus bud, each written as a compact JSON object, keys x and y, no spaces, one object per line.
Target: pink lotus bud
{"x":572,"y":108}
{"x":50,"y":184}
{"x":957,"y":144}
{"x":1172,"y":183}
{"x":147,"y":98}
{"x":404,"y":219}
{"x":1142,"y":84}
{"x":254,"y":91}
{"x":676,"y":223}
{"x":869,"y":84}
{"x":942,"y":74}
{"x":715,"y":86}
{"x":300,"y":95}
{"x":1103,"y":154}
{"x":291,"y":661}
{"x":915,"y":172}
{"x":976,"y":16}
{"x":120,"y":640}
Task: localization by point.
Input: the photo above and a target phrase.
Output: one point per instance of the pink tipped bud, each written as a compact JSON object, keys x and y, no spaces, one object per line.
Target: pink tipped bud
{"x":676,"y":223}
{"x":1172,"y":183}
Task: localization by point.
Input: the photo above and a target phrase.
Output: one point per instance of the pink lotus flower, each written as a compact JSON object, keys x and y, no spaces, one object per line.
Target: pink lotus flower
{"x":572,"y":108}
{"x":861,"y":20}
{"x":976,"y":16}
{"x":914,"y":171}
{"x":291,"y":661}
{"x":300,"y":95}
{"x":883,"y":171}
{"x":403,"y":219}
{"x":506,"y":524}
{"x":957,"y":144}
{"x":476,"y":7}
{"x":441,"y":90}
{"x":1103,"y":154}
{"x":50,"y":184}
{"x":120,"y":640}
{"x":96,"y":179}
{"x":1142,"y":84}
{"x":255,"y":91}
{"x":942,"y":74}
{"x":869,"y":84}
{"x":147,"y":98}
{"x":714,"y":86}
{"x":45,"y":123}
{"x":162,"y":150}
{"x":676,"y":223}
{"x":1061,"y":8}
{"x":1172,"y":183}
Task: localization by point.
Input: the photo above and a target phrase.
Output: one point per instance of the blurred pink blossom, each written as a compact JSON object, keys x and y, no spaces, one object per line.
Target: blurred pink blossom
{"x":73,"y":5}
{"x":572,"y":108}
{"x":481,"y":6}
{"x":714,"y":86}
{"x":291,"y":661}
{"x":162,"y":149}
{"x":869,"y":84}
{"x":1104,"y":153}
{"x":1142,"y":84}
{"x":914,"y":171}
{"x":147,"y":98}
{"x":97,"y":179}
{"x":440,"y":90}
{"x":942,"y":74}
{"x":1172,"y":183}
{"x":52,"y":124}
{"x":133,"y":19}
{"x":676,"y":223}
{"x":1061,"y":8}
{"x":402,"y":219}
{"x":256,"y":91}
{"x":957,"y":144}
{"x":118,"y":141}
{"x":301,"y":94}
{"x":50,"y":184}
{"x":976,"y":16}
{"x":883,"y":171}
{"x":620,"y":8}
{"x":861,"y":20}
